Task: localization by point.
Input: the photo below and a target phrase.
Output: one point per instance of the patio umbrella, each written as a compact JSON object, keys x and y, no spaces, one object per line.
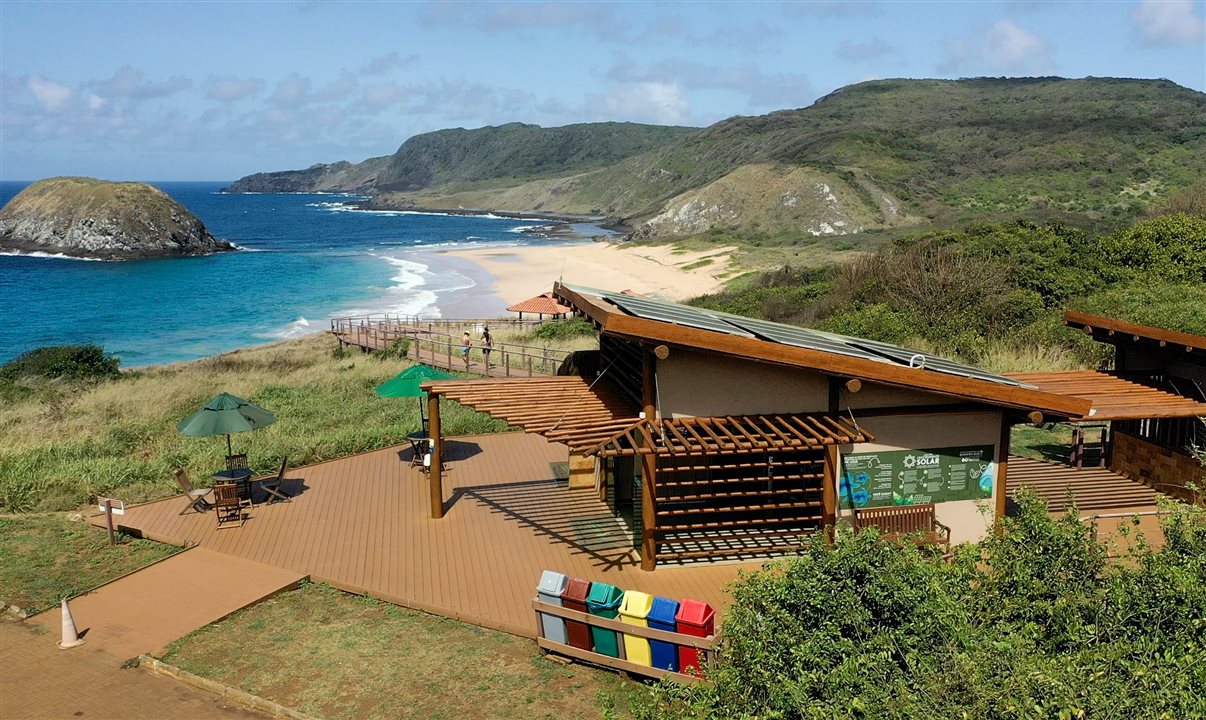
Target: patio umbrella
{"x":406,"y":384}
{"x":223,"y":415}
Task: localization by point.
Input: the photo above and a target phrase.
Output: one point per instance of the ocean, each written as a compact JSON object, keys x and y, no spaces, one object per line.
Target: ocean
{"x":306,"y":258}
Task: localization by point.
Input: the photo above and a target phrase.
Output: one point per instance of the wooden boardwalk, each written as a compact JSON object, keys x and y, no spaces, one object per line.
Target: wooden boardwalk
{"x":1089,"y":488}
{"x":363,"y":524}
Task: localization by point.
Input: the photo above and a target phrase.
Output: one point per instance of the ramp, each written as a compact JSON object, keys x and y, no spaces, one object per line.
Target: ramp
{"x":145,"y":611}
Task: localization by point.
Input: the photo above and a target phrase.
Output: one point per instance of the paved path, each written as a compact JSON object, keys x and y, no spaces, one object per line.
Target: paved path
{"x":39,"y":681}
{"x":144,"y":611}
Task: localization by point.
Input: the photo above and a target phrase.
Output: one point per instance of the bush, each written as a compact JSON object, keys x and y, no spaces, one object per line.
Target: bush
{"x":1032,"y":623}
{"x":73,"y":362}
{"x":399,"y":349}
{"x":564,"y":329}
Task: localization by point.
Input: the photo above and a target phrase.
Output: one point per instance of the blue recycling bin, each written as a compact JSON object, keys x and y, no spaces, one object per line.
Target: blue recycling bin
{"x":661,"y":617}
{"x":552,"y":584}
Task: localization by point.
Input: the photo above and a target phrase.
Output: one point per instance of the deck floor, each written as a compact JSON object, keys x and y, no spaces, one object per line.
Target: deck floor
{"x":1088,"y":488}
{"x":362,"y":524}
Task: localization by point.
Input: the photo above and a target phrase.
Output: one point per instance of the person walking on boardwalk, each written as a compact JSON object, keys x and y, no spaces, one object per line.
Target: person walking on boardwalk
{"x":466,"y":343}
{"x":487,"y":346}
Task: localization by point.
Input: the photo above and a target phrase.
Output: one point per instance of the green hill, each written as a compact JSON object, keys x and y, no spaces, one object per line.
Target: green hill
{"x":869,"y":156}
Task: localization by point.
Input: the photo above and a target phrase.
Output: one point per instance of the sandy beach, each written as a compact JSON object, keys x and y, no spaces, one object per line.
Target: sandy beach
{"x":523,"y":272}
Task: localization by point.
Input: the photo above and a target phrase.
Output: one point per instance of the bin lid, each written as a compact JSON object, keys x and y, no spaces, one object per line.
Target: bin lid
{"x":576,"y":589}
{"x":663,"y":610}
{"x":604,"y":596}
{"x":694,"y":612}
{"x":552,"y":583}
{"x":636,"y":604}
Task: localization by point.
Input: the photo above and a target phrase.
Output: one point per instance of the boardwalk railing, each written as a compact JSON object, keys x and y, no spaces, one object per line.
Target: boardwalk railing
{"x":437,"y":342}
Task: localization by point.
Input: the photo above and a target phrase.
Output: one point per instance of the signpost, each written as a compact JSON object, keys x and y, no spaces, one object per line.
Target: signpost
{"x":111,"y":507}
{"x":912,"y":477}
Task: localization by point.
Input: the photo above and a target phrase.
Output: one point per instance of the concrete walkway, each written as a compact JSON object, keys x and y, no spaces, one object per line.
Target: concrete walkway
{"x":145,"y":611}
{"x":39,"y":681}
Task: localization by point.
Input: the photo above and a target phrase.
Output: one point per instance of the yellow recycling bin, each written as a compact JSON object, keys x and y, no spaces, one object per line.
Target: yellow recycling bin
{"x":633,"y":610}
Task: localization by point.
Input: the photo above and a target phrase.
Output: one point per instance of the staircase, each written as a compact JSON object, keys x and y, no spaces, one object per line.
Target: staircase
{"x":737,"y":506}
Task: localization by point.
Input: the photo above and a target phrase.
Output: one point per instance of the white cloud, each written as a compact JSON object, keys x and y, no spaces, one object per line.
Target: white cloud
{"x":228,"y":88}
{"x":597,"y":17}
{"x":763,"y":90}
{"x":1168,"y":22}
{"x":96,"y":102}
{"x":294,"y":91}
{"x":382,"y":64}
{"x":657,"y":102}
{"x":867,"y":50}
{"x":380,"y":96}
{"x":1002,"y":48}
{"x":52,"y":96}
{"x":132,"y":84}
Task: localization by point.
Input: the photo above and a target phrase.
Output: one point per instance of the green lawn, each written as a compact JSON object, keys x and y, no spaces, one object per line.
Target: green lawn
{"x":45,"y":557}
{"x":336,"y":655}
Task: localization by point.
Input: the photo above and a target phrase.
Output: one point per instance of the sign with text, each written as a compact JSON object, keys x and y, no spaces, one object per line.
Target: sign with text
{"x":915,"y":477}
{"x":119,"y":507}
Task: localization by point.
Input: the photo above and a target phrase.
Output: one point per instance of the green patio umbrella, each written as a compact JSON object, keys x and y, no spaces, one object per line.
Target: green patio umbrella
{"x":223,"y":415}
{"x":406,"y":384}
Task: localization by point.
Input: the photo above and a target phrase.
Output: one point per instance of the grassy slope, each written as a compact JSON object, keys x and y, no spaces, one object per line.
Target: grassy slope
{"x":45,"y":557}
{"x":336,"y":655}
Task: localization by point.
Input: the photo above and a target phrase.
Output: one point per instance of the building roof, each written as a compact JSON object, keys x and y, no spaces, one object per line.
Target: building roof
{"x":1115,"y":332}
{"x":544,"y":304}
{"x":674,"y":324}
{"x":1115,"y":397}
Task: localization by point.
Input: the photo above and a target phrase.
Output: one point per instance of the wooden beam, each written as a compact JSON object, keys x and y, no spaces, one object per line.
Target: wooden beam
{"x":854,"y":385}
{"x":661,"y":352}
{"x":1035,"y":417}
{"x":435,"y":475}
{"x":829,"y":490}
{"x":649,"y":466}
{"x":1000,"y":484}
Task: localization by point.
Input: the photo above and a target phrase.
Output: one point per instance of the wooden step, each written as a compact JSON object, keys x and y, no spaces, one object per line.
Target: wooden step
{"x":721,"y":552}
{"x":738,"y":494}
{"x":736,"y":508}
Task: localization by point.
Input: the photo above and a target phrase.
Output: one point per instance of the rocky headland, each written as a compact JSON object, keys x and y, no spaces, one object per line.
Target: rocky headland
{"x":90,"y":218}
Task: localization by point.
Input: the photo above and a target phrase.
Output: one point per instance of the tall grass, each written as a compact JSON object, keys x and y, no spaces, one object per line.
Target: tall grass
{"x":64,"y":444}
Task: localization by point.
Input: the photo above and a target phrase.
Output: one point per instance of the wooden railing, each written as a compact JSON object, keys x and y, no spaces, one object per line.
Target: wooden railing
{"x":705,"y":645}
{"x":437,"y":342}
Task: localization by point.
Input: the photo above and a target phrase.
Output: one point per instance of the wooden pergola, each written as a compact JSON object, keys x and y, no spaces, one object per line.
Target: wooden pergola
{"x":543,"y":304}
{"x":715,"y":435}
{"x":1114,"y":397}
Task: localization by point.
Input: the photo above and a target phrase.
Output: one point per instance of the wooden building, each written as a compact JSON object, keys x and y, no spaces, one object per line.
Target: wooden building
{"x":724,"y":436}
{"x":1154,"y":398}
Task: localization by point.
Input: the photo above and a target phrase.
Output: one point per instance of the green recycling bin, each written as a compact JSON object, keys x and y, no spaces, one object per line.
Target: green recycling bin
{"x":604,"y":601}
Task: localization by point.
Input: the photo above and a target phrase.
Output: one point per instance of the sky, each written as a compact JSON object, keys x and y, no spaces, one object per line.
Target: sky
{"x":217,"y":90}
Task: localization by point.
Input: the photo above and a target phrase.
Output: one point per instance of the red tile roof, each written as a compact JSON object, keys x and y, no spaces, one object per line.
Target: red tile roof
{"x":545,"y":304}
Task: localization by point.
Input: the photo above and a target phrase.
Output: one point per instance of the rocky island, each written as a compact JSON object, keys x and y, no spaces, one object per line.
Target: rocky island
{"x":90,"y":218}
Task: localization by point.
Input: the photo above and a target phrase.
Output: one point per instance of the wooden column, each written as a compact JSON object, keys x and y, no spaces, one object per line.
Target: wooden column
{"x":435,"y":476}
{"x":649,"y":467}
{"x":829,"y":490}
{"x":999,"y":484}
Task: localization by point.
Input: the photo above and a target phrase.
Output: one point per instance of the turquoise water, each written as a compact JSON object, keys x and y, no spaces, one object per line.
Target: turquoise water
{"x":307,"y":258}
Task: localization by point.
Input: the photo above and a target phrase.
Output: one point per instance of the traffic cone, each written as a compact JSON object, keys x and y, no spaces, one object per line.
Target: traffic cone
{"x":70,"y":637}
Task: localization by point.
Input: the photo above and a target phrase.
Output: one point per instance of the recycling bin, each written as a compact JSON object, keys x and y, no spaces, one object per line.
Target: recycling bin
{"x":633,"y":610}
{"x":697,"y":618}
{"x":552,"y":584}
{"x":663,"y":654}
{"x":574,"y":598}
{"x":604,"y":601}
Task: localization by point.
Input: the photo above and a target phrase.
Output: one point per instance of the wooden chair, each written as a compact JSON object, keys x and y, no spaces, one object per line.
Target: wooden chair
{"x":917,"y":523}
{"x":239,"y":462}
{"x":196,"y":496}
{"x":228,"y":505}
{"x":272,"y":485}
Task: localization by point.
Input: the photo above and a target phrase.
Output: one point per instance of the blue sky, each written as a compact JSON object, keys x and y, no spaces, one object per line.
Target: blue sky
{"x":216,"y":90}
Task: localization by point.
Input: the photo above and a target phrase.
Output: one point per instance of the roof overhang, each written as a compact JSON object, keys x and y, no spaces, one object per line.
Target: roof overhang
{"x":724,"y":435}
{"x":613,"y":321}
{"x":1117,"y":332}
{"x":1114,"y":397}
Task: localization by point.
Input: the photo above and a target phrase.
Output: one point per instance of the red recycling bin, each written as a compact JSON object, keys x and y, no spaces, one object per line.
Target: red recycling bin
{"x":574,"y":598}
{"x":696,"y":618}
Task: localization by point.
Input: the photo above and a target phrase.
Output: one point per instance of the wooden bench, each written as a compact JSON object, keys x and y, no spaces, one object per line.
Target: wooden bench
{"x":915,"y":522}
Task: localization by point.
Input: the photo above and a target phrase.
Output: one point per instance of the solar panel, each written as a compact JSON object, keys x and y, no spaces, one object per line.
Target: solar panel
{"x":933,"y":362}
{"x":801,"y":337}
{"x":674,"y":313}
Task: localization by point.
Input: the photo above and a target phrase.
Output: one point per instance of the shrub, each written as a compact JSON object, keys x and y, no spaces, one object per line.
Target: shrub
{"x":399,"y":349}
{"x":564,"y":329}
{"x":73,"y":362}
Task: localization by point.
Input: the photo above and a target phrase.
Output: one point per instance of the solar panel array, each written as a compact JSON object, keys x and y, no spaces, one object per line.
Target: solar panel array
{"x":729,"y":324}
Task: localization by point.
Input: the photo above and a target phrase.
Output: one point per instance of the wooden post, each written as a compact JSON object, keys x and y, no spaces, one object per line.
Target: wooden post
{"x":999,"y":484}
{"x":435,"y":476}
{"x":109,"y":520}
{"x":829,"y":490}
{"x":649,"y":467}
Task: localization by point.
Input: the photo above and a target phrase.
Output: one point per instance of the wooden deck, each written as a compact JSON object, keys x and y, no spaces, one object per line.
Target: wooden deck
{"x":1089,"y":488}
{"x":362,"y":524}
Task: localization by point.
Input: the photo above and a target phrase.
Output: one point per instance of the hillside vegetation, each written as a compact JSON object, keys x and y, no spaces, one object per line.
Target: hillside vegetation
{"x":870,"y":156}
{"x":993,"y":294}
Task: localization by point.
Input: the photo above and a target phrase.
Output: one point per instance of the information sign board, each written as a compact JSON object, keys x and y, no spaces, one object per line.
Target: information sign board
{"x":914,"y":477}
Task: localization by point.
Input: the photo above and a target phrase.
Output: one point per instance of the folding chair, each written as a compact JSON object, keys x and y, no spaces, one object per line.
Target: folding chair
{"x":228,"y":505}
{"x":272,"y":485}
{"x":196,"y":496}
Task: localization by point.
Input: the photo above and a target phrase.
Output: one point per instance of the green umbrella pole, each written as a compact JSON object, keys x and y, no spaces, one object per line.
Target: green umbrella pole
{"x":228,"y":450}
